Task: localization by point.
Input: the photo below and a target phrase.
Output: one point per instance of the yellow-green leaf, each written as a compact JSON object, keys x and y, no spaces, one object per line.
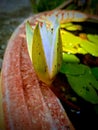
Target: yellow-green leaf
{"x":74,"y":44}
{"x":71,"y":43}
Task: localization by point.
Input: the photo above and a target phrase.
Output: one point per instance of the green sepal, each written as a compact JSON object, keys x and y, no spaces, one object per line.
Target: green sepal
{"x":29,"y":38}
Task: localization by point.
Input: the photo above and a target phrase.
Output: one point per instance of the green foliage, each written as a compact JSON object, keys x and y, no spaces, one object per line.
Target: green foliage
{"x":82,"y":81}
{"x":43,"y":5}
{"x":93,"y":38}
{"x":74,"y":44}
{"x":70,"y":58}
{"x":95,"y":72}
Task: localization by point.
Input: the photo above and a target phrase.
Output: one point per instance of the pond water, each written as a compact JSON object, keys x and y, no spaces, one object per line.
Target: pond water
{"x":12,"y":13}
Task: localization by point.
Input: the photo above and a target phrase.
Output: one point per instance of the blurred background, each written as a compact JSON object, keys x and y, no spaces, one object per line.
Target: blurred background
{"x":90,"y":6}
{"x":13,"y":12}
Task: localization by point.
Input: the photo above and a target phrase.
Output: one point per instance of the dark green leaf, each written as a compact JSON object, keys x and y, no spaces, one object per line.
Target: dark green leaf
{"x":72,"y":69}
{"x":95,"y":72}
{"x":85,"y":85}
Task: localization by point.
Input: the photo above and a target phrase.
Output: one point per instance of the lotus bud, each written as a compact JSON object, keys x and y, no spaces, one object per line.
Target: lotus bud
{"x":45,"y":49}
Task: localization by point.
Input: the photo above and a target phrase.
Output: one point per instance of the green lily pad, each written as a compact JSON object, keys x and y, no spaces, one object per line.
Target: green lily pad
{"x":85,"y":85}
{"x":82,"y":81}
{"x":72,"y":69}
{"x":95,"y":72}
{"x":74,"y":44}
{"x":93,"y":38}
{"x":71,"y":27}
{"x":70,"y":58}
{"x":71,"y":43}
{"x":90,"y":47}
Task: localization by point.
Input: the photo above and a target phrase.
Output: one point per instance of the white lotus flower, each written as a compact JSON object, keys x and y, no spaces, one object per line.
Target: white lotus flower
{"x":45,"y":50}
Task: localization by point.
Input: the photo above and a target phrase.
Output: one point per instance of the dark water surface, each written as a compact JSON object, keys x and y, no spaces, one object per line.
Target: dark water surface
{"x":12,"y":13}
